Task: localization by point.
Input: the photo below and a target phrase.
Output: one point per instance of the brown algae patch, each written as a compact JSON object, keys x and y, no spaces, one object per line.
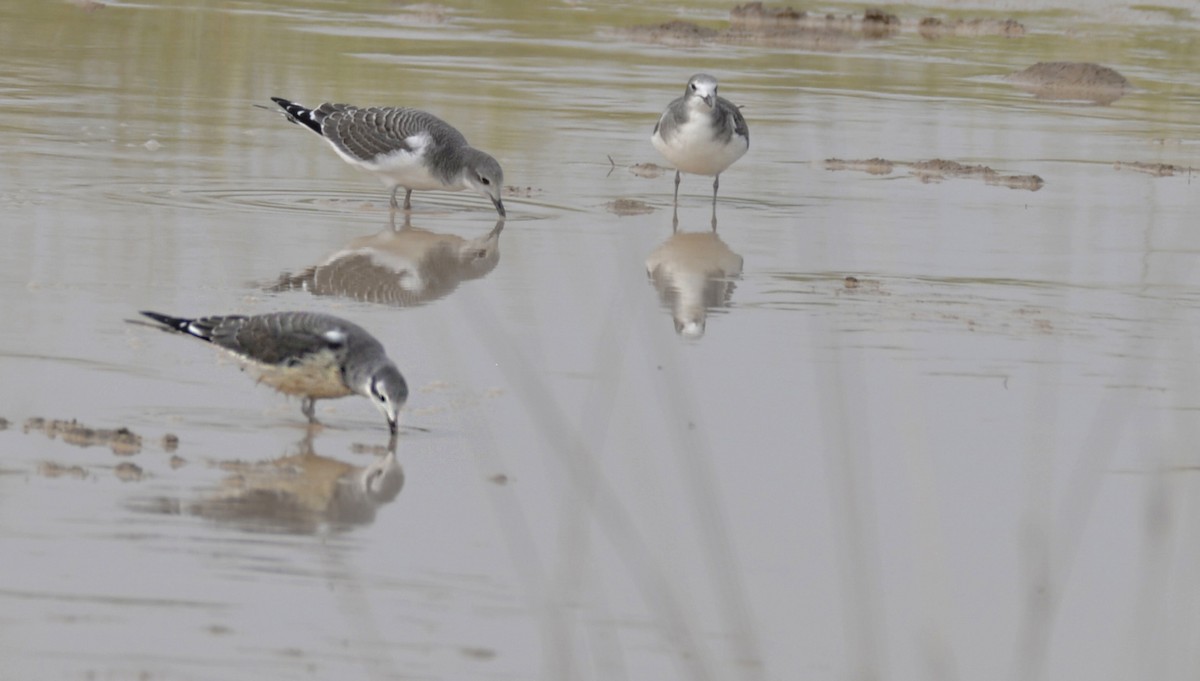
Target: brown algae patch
{"x":122,"y":441}
{"x":1065,"y":80}
{"x":936,"y":170}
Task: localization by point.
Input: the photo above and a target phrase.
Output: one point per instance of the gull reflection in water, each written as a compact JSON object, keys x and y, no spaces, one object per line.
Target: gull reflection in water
{"x":694,"y":273}
{"x":301,"y":493}
{"x":403,"y":266}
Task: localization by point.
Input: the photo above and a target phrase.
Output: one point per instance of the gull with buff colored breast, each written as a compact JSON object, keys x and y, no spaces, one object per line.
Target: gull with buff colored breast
{"x":312,"y":355}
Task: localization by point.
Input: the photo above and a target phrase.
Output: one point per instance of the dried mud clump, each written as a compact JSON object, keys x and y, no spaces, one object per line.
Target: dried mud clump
{"x":49,"y":469}
{"x":423,"y":13}
{"x":939,"y":168}
{"x":647,"y":170}
{"x":673,"y":33}
{"x":853,"y":284}
{"x":526,"y":192}
{"x":876,"y":23}
{"x":122,"y":441}
{"x":872,"y":166}
{"x":754,"y":15}
{"x":1066,"y":80}
{"x":1155,"y":169}
{"x":933,"y":28}
{"x":756,"y":23}
{"x":129,"y":472}
{"x":629,"y":207}
{"x":936,"y":170}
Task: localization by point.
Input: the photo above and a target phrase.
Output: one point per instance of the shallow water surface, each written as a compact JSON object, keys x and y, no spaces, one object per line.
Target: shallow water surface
{"x":919,"y":424}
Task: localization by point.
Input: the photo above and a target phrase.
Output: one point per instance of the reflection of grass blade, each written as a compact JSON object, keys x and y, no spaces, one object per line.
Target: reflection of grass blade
{"x":694,"y":459}
{"x":848,"y":461}
{"x":576,"y":453}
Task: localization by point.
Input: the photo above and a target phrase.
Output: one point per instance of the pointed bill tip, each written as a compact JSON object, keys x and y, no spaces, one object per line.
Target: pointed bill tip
{"x":499,"y":207}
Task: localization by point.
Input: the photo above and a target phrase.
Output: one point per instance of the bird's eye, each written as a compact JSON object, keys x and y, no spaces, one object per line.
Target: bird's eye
{"x":692,"y":85}
{"x":485,"y":180}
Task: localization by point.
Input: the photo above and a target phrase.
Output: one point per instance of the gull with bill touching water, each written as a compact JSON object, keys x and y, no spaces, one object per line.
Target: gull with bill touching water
{"x":701,"y":133}
{"x":403,"y":147}
{"x":312,"y":355}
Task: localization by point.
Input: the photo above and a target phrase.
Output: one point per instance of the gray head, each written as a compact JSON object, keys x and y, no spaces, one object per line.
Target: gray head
{"x":382,"y":383}
{"x":482,"y":173}
{"x":703,"y":87}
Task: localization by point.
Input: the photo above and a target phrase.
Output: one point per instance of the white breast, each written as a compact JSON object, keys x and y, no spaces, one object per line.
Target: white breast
{"x":693,"y":149}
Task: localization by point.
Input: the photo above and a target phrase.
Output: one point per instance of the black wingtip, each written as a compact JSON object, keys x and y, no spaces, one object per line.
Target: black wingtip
{"x":177,"y":323}
{"x":166,"y":322}
{"x":298,"y":114}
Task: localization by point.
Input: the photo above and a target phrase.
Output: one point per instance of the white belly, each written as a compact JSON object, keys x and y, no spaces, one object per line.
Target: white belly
{"x":403,"y":168}
{"x":692,"y":149}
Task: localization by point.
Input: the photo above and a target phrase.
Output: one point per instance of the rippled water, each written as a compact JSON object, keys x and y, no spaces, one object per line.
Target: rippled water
{"x":874,"y":426}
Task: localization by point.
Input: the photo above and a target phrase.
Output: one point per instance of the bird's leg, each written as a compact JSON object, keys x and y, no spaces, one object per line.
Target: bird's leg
{"x":676,"y":188}
{"x":716,"y":183}
{"x":675,"y":220}
{"x":714,"y":219}
{"x":407,"y":199}
{"x":306,"y":445}
{"x":394,"y":190}
{"x":308,"y":406}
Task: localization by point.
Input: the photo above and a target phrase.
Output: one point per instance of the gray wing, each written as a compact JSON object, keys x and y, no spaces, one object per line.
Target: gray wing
{"x":730,"y":121}
{"x":282,"y":338}
{"x":672,"y":118}
{"x":366,"y":134}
